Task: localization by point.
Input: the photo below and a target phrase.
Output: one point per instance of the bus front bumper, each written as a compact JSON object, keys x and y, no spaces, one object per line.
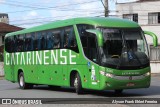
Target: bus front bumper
{"x":107,"y":83}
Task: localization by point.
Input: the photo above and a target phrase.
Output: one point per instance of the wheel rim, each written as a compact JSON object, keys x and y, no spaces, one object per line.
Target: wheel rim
{"x":21,"y":81}
{"x":75,"y":82}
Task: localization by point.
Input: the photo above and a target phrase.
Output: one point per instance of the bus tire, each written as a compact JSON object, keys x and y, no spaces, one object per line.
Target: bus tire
{"x":78,"y":84}
{"x":119,"y":91}
{"x":22,"y":83}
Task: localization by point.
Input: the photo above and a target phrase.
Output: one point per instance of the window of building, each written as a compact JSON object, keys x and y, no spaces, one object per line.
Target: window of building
{"x":154,"y":18}
{"x":154,"y":53}
{"x":132,"y":17}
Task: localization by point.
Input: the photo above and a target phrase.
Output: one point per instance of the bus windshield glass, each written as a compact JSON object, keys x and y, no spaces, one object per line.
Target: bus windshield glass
{"x":124,"y":49}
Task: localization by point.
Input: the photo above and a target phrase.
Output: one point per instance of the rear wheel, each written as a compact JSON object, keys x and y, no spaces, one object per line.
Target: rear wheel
{"x":78,"y":84}
{"x":22,"y":83}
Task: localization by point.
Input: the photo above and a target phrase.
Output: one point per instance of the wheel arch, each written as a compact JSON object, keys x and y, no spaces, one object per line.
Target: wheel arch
{"x":72,"y":75}
{"x":19,"y":71}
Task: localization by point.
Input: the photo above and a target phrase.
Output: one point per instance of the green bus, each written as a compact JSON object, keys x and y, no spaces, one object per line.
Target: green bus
{"x":85,"y":53}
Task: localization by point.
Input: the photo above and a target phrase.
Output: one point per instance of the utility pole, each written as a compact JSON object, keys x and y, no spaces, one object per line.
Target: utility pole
{"x":106,"y":8}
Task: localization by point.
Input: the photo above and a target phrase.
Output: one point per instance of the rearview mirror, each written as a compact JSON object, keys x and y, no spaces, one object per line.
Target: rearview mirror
{"x":155,"y":39}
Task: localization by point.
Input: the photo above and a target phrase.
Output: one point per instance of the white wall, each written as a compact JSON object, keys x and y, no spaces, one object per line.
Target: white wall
{"x":1,"y":69}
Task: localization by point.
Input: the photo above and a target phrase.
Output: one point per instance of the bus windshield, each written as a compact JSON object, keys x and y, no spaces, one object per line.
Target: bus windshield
{"x":124,"y":49}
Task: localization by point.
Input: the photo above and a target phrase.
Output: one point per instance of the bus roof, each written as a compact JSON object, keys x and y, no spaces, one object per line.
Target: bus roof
{"x":97,"y":21}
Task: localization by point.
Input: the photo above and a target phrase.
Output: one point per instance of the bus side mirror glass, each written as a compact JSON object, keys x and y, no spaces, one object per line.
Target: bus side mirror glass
{"x":155,"y":39}
{"x":98,"y":34}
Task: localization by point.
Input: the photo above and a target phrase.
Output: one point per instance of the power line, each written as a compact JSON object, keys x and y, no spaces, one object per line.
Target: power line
{"x":41,"y":18}
{"x":39,"y":8}
{"x":46,"y":21}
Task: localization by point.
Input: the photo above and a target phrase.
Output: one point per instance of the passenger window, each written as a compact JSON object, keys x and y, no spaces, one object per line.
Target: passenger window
{"x":9,"y":42}
{"x":56,"y":38}
{"x":70,"y":41}
{"x":35,"y":41}
{"x":28,"y":42}
{"x":39,"y":40}
{"x":20,"y":43}
{"x":43,"y":41}
{"x":49,"y":40}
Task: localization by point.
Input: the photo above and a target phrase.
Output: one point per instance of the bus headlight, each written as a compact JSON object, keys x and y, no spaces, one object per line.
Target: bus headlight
{"x":103,"y":73}
{"x":147,"y":74}
{"x":109,"y":75}
{"x":106,"y":74}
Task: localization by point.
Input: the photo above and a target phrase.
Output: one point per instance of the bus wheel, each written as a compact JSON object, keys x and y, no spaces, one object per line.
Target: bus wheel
{"x":118,"y":91}
{"x":77,"y":84}
{"x":22,"y":83}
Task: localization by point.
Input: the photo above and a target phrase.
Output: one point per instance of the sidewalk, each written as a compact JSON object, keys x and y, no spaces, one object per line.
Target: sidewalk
{"x":1,"y":77}
{"x":155,"y":74}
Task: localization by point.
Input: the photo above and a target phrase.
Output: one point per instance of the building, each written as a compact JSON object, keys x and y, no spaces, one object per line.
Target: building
{"x":147,"y":14}
{"x":4,"y":18}
{"x":5,"y":28}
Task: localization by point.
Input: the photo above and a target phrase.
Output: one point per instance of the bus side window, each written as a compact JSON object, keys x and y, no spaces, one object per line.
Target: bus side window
{"x":43,"y":40}
{"x":35,"y":41}
{"x":57,"y":38}
{"x":39,"y":37}
{"x":84,"y":44}
{"x":28,"y":42}
{"x":9,"y":44}
{"x":70,"y":41}
{"x":66,"y":37}
{"x":20,"y":44}
{"x":62,"y":37}
{"x":49,"y":39}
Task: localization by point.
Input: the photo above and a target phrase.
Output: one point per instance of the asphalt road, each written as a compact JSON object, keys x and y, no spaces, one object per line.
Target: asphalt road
{"x":12,"y":90}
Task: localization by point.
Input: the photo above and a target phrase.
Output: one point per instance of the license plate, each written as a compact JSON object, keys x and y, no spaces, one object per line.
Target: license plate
{"x":130,"y":84}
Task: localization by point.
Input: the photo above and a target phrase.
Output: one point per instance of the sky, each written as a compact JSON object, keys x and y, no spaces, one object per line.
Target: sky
{"x":28,"y":13}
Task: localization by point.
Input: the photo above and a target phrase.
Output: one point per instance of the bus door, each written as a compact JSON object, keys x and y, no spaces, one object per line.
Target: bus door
{"x":93,"y":68}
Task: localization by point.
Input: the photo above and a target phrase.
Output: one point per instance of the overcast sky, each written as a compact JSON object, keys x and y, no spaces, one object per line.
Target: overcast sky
{"x":28,"y":13}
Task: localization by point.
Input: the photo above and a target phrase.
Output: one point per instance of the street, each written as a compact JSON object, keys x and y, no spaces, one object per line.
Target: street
{"x":12,"y":90}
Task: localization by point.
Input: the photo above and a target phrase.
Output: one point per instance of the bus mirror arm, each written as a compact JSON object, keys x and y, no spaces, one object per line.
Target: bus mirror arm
{"x":98,"y":34}
{"x":155,"y":39}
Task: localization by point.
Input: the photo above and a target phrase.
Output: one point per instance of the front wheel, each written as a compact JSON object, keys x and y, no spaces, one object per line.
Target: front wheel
{"x":22,"y":83}
{"x":78,"y":84}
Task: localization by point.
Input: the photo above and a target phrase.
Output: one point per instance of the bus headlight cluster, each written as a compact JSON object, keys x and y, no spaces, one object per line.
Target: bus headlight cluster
{"x":106,"y":74}
{"x":147,"y":74}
